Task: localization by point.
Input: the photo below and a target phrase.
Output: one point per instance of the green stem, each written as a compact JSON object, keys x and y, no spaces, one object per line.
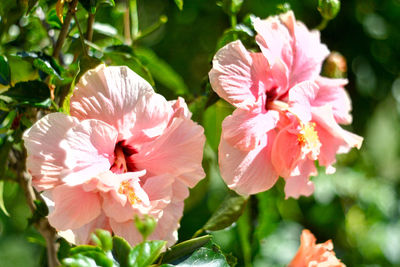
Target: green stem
{"x":244,"y":231}
{"x":81,"y":37}
{"x":323,"y":24}
{"x":163,"y":19}
{"x":233,"y":21}
{"x":134,"y":19}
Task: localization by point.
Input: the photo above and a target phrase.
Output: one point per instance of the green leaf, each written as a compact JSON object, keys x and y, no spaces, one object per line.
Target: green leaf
{"x":2,"y":206}
{"x":79,"y":261}
{"x":106,"y":2}
{"x":5,"y":73}
{"x":179,"y":4}
{"x":121,"y":250}
{"x":185,"y":248}
{"x":87,"y":63}
{"x":42,"y":62}
{"x":161,"y":71}
{"x":210,"y":256}
{"x":240,"y":32}
{"x":103,"y":239}
{"x":32,"y":93}
{"x":145,"y":253}
{"x":53,"y":20}
{"x":40,"y":211}
{"x":227,"y":213}
{"x":95,"y":253}
{"x":45,"y":66}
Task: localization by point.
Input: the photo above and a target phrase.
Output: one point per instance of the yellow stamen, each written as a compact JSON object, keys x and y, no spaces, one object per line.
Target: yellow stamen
{"x":309,"y":140}
{"x":126,"y":189}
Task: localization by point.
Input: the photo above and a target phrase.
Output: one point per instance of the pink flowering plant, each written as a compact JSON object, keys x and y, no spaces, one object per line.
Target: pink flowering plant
{"x":120,"y":159}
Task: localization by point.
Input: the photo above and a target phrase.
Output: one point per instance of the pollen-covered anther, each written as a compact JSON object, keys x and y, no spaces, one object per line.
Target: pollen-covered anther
{"x":309,"y":140}
{"x":127,"y":189}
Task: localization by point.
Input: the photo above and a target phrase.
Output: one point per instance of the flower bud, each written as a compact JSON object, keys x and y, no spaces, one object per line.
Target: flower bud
{"x":335,"y":66}
{"x":145,"y":225}
{"x":328,"y":8}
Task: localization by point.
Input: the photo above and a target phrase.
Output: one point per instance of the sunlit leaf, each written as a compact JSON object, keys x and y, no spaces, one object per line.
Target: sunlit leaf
{"x":103,"y":239}
{"x":79,"y":261}
{"x":145,"y":253}
{"x":2,"y":206}
{"x":185,"y":248}
{"x":121,"y":250}
{"x":179,"y":4}
{"x":227,"y":213}
{"x":32,"y":93}
{"x":42,"y":62}
{"x":5,"y":73}
{"x":210,"y":256}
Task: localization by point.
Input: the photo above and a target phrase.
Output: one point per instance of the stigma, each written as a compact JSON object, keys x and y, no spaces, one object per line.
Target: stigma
{"x":309,"y":140}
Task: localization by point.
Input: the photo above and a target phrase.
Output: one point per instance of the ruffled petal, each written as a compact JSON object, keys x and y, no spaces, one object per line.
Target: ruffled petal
{"x":82,"y":235}
{"x":46,"y":159}
{"x":300,"y":98}
{"x":177,"y":152}
{"x":300,"y":185}
{"x":73,"y":207}
{"x":331,"y":92}
{"x":168,"y":224}
{"x":121,"y":98}
{"x":127,"y":230}
{"x":286,"y":152}
{"x":333,"y":138}
{"x":89,"y":150}
{"x":245,"y":129}
{"x":248,"y":172}
{"x":239,"y":76}
{"x":283,"y":38}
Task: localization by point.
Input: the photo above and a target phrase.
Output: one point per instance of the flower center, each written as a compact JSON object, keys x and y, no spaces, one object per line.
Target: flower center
{"x":122,"y":158}
{"x":309,"y":140}
{"x":127,"y":189}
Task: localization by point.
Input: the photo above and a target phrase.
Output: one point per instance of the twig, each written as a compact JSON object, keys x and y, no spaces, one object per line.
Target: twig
{"x":127,"y":25}
{"x":89,"y":28}
{"x":64,"y":29}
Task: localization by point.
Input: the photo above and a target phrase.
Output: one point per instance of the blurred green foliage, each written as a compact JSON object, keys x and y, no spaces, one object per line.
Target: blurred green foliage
{"x":357,"y":207}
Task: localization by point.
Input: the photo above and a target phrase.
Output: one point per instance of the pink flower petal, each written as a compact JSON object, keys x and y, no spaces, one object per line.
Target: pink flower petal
{"x":180,"y":108}
{"x":248,"y":172}
{"x":331,"y":92}
{"x":89,"y":150}
{"x":300,"y":98}
{"x":285,"y":39}
{"x":73,"y":207}
{"x":121,"y":98}
{"x":177,"y":152}
{"x":82,"y":235}
{"x":46,"y":159}
{"x":300,"y":185}
{"x":238,"y":76}
{"x":168,"y":224}
{"x":286,"y":152}
{"x":127,"y":230}
{"x":333,"y":138}
{"x":245,"y":129}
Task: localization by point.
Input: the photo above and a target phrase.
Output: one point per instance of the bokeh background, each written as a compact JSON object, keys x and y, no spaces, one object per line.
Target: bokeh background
{"x":358,"y":207}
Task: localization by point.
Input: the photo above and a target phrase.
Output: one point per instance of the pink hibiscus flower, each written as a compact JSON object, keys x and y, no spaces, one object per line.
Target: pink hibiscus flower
{"x":311,"y":254}
{"x":287,"y":115}
{"x":124,"y":150}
